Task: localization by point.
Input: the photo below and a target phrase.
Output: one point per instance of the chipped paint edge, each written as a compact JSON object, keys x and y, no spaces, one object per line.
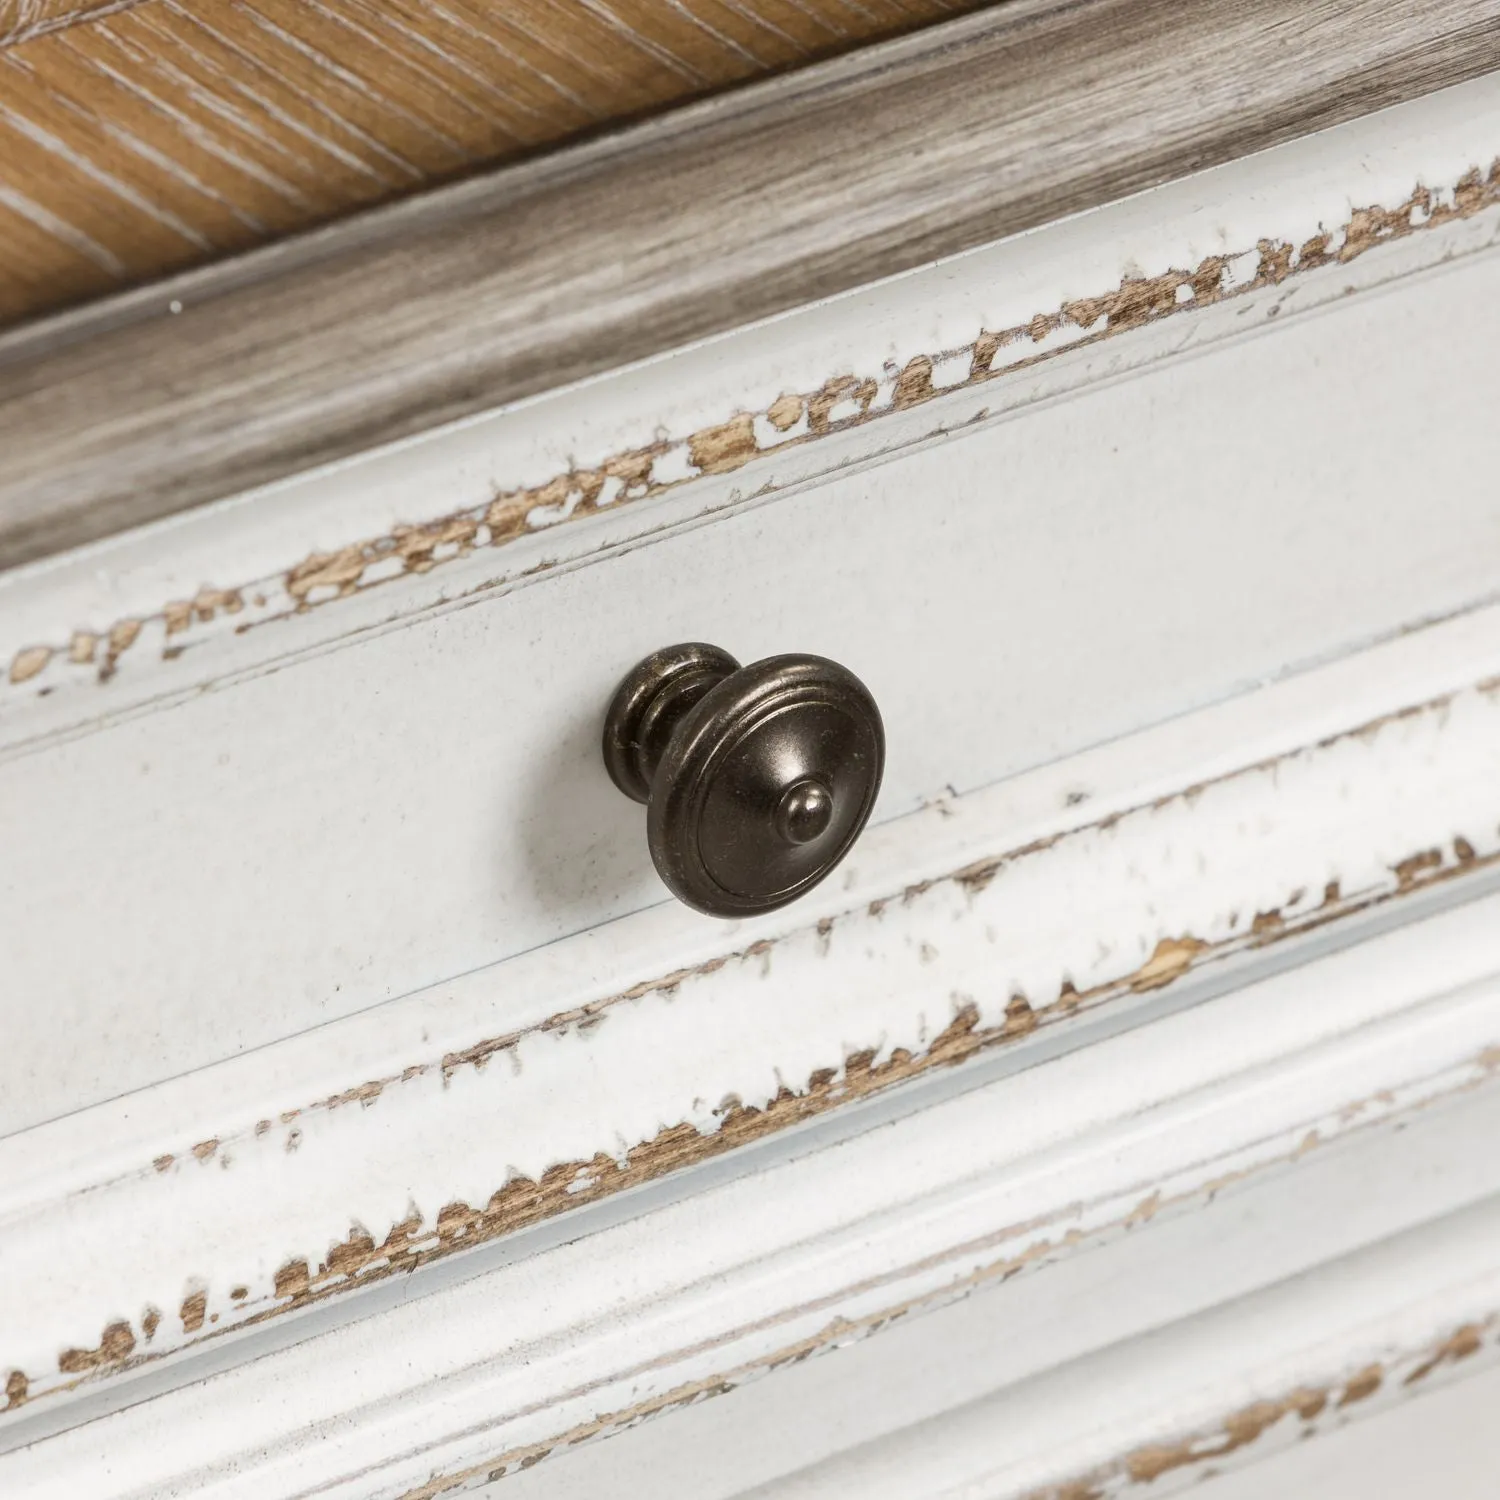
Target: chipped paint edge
{"x":1196,"y":1451}
{"x":1199,"y":1454}
{"x":1317,"y":1409}
{"x":1176,"y":1163}
{"x":361,"y":1259}
{"x":843,"y":402}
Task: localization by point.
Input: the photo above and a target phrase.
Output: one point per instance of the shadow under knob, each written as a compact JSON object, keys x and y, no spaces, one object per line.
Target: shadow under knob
{"x":757,"y":779}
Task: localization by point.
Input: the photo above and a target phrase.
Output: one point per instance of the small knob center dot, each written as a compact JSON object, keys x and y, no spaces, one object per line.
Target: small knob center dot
{"x":805,"y":811}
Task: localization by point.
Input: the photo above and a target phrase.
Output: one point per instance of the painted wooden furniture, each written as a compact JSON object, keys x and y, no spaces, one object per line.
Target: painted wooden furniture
{"x":1115,"y":1118}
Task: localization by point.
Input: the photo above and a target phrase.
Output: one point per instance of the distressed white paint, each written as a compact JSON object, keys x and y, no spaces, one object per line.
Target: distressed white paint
{"x":1297,"y":1128}
{"x":336,"y":848}
{"x":1445,"y":1444}
{"x":1301,"y":784}
{"x":1290,"y":193}
{"x":1155,"y":1338}
{"x":1287,"y":195}
{"x":344,"y":824}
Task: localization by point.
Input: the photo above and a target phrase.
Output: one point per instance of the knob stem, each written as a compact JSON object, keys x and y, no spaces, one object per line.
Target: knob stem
{"x":651,"y":702}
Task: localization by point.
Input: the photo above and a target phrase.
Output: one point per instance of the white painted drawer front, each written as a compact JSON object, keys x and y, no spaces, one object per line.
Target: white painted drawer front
{"x":400,"y":788}
{"x":1166,"y":538}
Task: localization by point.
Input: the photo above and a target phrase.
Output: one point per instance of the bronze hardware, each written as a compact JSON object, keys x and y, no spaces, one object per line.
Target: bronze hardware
{"x":757,"y":779}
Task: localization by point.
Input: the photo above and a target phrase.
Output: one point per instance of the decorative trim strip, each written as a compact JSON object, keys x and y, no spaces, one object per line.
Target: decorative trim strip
{"x":495,"y":290}
{"x":292,"y":1201}
{"x":844,"y":401}
{"x":1334,"y":1097}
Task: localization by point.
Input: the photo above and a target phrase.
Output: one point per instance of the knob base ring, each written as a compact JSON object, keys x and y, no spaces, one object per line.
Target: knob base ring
{"x":649,"y":703}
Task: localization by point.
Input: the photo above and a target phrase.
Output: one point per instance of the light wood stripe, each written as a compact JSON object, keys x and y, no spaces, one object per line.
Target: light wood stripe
{"x":38,"y":250}
{"x":168,"y":133}
{"x":22,"y":20}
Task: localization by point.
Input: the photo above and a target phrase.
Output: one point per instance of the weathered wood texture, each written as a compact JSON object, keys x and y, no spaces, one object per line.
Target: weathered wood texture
{"x":733,"y":209}
{"x":141,"y":137}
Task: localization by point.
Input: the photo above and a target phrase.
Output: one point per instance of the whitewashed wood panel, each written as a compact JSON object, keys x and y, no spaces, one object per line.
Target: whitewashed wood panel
{"x":1445,"y":1444}
{"x":1257,"y":1199}
{"x":404,"y":786}
{"x":1290,"y":1388}
{"x":1190,"y":253}
{"x":636,"y":242}
{"x":370,"y":1124}
{"x":978,"y":937}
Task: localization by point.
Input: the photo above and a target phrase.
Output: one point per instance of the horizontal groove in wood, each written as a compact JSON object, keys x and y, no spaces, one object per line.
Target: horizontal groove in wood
{"x":488,"y":291}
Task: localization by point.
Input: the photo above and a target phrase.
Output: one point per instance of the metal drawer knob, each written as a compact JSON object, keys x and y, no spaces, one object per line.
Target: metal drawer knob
{"x":757,"y":779}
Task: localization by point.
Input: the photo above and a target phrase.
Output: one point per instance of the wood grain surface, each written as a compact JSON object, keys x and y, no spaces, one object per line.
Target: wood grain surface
{"x":732,"y":209}
{"x":141,"y":136}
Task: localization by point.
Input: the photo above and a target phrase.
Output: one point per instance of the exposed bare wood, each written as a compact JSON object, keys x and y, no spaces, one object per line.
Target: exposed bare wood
{"x":733,"y":209}
{"x":168,"y":134}
{"x":795,"y":418}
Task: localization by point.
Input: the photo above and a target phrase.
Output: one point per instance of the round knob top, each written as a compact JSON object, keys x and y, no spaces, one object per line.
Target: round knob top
{"x":758,"y":779}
